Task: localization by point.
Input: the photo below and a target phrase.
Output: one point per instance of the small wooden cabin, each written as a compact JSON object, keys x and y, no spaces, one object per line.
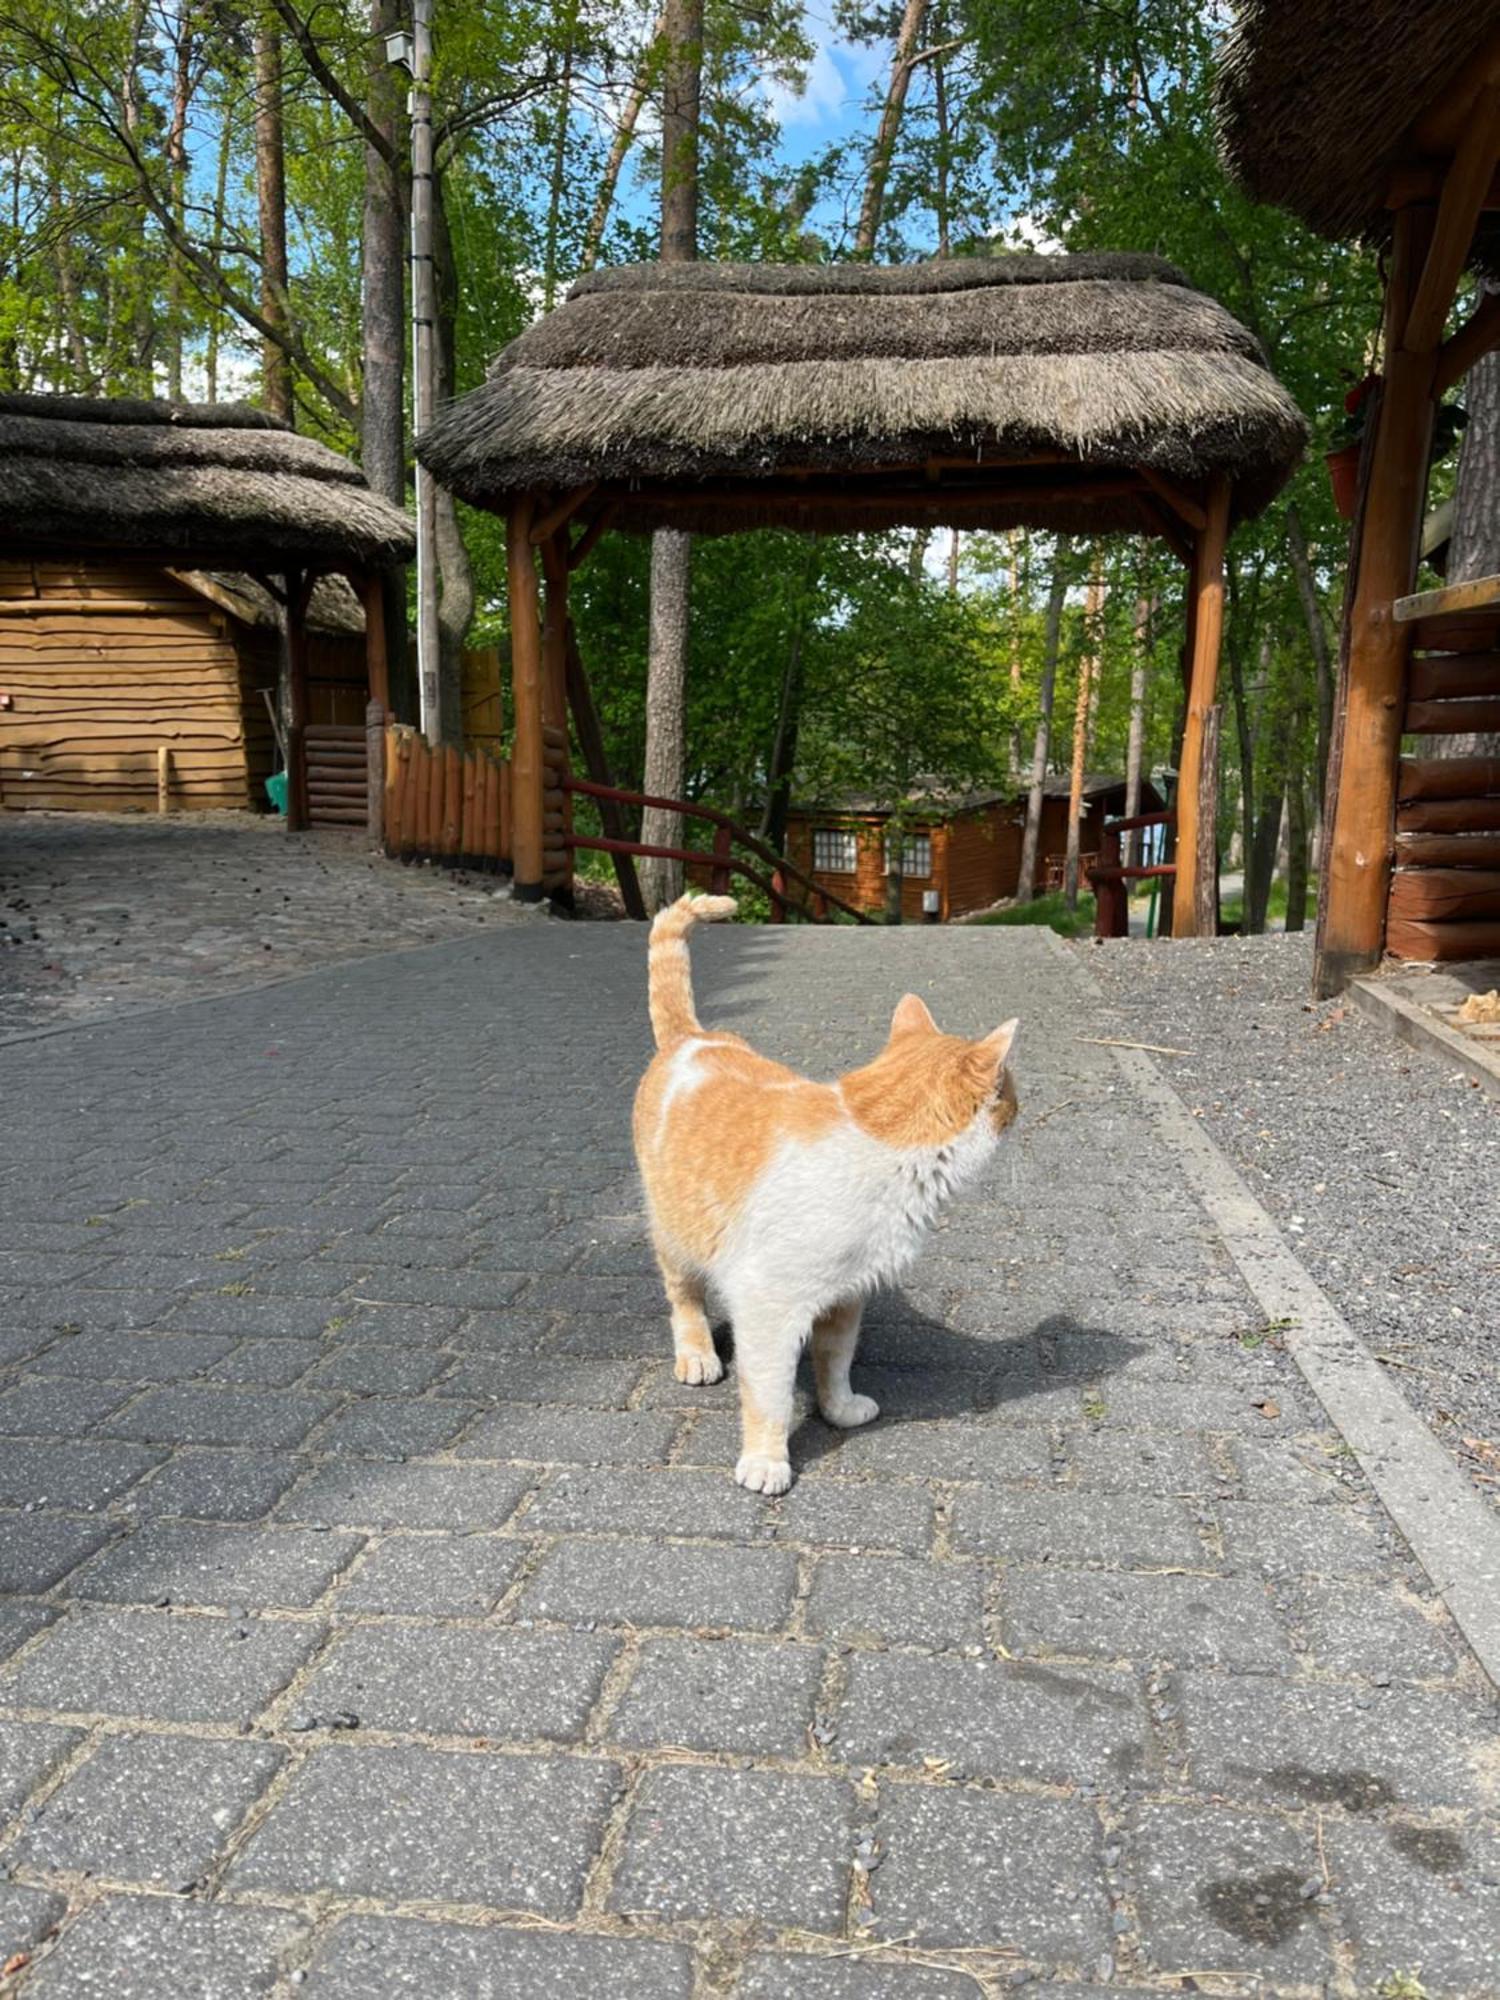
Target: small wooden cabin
{"x":105,"y":661}
{"x":965,"y":848}
{"x":162,"y":565}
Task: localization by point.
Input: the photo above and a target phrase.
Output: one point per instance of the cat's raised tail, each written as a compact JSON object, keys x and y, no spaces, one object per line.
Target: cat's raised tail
{"x":669,"y":976}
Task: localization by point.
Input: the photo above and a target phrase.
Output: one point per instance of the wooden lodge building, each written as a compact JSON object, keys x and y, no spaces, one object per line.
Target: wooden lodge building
{"x":963,"y":848}
{"x":162,"y":569}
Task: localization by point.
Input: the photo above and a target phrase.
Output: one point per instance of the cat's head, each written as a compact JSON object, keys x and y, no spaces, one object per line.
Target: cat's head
{"x":928,"y":1089}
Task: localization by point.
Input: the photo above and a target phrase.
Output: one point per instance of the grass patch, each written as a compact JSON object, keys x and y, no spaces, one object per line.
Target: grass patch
{"x":1050,"y":910}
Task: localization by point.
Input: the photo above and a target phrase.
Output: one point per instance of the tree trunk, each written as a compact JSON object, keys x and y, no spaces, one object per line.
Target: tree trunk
{"x":671,"y":552}
{"x":890,"y":123}
{"x":630,"y":115}
{"x":455,"y":572}
{"x":784,"y":749}
{"x":1317,"y":636}
{"x":1475,"y":547}
{"x":1135,"y":742}
{"x":1083,"y":712}
{"x":382,"y":272}
{"x":270,"y":189}
{"x":142,"y":343}
{"x":671,"y":579}
{"x":177,"y":167}
{"x":1296,"y":839}
{"x":1031,"y":838}
{"x":559,"y":157}
{"x":1019,"y":590}
{"x":942,"y":201}
{"x":215,"y":316}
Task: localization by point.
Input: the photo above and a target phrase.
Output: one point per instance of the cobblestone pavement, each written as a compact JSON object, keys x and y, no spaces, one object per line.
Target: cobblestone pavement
{"x":382,"y":1617}
{"x":103,"y":913}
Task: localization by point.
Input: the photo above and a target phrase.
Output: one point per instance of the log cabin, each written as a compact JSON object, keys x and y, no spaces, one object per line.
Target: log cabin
{"x":163,"y":563}
{"x":962,"y":848}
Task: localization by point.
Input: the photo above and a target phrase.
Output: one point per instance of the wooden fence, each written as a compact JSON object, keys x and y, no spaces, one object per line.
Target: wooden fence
{"x":438,"y":804}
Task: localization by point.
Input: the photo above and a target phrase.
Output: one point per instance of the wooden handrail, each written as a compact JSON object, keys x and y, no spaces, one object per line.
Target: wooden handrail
{"x":776,"y":862}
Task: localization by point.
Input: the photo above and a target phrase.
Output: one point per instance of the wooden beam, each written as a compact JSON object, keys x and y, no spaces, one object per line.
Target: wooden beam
{"x":1479,"y":333}
{"x":1182,"y":504}
{"x":1195,"y":900}
{"x":547,"y":525}
{"x":1479,"y":593}
{"x":1438,"y":131}
{"x":1422,"y":180}
{"x":299,"y":585}
{"x":596,"y":763}
{"x":527,"y":692}
{"x":555,"y":675}
{"x":1477,"y":717}
{"x":1159,"y":522}
{"x":377,"y":660}
{"x":584,"y":547}
{"x":1360,"y":809}
{"x":1459,"y":206}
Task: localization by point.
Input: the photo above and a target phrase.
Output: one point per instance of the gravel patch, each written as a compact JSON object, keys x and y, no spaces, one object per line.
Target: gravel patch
{"x":1379,"y":1163}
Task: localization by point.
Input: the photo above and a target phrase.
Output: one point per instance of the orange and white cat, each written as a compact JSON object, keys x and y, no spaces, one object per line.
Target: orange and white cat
{"x":796,"y":1200}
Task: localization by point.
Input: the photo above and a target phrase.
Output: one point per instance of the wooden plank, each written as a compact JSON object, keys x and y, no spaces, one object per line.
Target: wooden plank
{"x":1448,"y":778}
{"x":1422,"y":941}
{"x":1453,"y":676}
{"x":507,"y":813}
{"x":1479,"y":717}
{"x":1445,"y":895}
{"x":421,"y":782}
{"x":490,"y":845}
{"x":1479,"y":593}
{"x":437,"y":771}
{"x":1448,"y":815}
{"x":453,"y":798}
{"x":1479,"y":849}
{"x":412,"y":791}
{"x":527,"y":675}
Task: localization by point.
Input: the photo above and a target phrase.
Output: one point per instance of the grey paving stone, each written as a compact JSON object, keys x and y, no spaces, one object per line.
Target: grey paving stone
{"x":994,"y":1718}
{"x":1357,"y":1629}
{"x":193,"y":1564}
{"x":26,"y":1916}
{"x":1202,"y":1406}
{"x":372,"y":1370}
{"x":58,"y":1405}
{"x":20,"y":1343}
{"x":725,"y":1694}
{"x":434,"y":1576}
{"x":416,"y":1326}
{"x":1285,"y":1469}
{"x":1421,"y":1899}
{"x":517,"y":1331}
{"x":155,"y":1809}
{"x":141,"y":1947}
{"x":38,"y":1550}
{"x":1153,"y":1462}
{"x":1321,"y":1541}
{"x":775,"y":1975}
{"x":28,"y":1752}
{"x":1187,"y":1620}
{"x":173,"y":1667}
{"x":975,"y":1868}
{"x":398,"y":1427}
{"x":455,"y":1681}
{"x":512,"y":1833}
{"x":855,"y":1515}
{"x":251,"y":1318}
{"x":214,"y":1485}
{"x":1221,"y":1891}
{"x":657,"y":1501}
{"x":211,"y":1415}
{"x":369,"y":1955}
{"x":868,"y":1599}
{"x":1348,"y":1745}
{"x":544,"y":1378}
{"x":1075,"y":1527}
{"x":482,"y":1290}
{"x":268,"y":1364}
{"x":737,"y":1844}
{"x":110,"y":1311}
{"x":136,"y":1357}
{"x":916,"y":1450}
{"x":75,"y":1476}
{"x":19,"y":1622}
{"x":374,"y":1495}
{"x":634,"y":1583}
{"x":571,"y":1437}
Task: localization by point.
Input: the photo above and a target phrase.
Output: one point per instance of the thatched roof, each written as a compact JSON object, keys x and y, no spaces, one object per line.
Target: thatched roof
{"x":1315,"y":98}
{"x":209,"y":482}
{"x":700,"y":374}
{"x":333,"y":610}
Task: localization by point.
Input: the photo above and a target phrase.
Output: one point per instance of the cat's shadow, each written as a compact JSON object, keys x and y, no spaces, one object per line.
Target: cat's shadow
{"x":921,"y":1370}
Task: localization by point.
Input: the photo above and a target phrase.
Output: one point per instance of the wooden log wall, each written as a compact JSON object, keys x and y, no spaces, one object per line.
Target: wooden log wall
{"x":557,"y":809}
{"x":1445,"y":888}
{"x":443,"y":805}
{"x":104,"y":665}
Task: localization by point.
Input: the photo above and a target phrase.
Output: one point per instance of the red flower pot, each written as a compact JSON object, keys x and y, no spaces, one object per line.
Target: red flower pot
{"x":1343,"y":476}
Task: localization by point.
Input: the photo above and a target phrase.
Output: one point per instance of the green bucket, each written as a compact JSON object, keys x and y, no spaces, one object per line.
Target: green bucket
{"x":276,"y":790}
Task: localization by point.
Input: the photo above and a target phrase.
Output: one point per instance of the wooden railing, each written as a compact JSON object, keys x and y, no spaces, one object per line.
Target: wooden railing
{"x":1110,"y":873}
{"x":438,"y":804}
{"x":721,"y":862}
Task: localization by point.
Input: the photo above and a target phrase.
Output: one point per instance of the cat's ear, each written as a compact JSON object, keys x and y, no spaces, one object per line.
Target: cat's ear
{"x":911,"y":1017}
{"x":997,"y":1045}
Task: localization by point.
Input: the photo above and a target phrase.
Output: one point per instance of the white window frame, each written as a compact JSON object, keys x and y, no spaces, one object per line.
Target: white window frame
{"x":916,"y":849}
{"x":847,"y":844}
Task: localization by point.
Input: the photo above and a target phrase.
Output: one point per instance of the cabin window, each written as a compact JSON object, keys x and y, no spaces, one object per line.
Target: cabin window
{"x":833,"y":850}
{"x":916,"y":854}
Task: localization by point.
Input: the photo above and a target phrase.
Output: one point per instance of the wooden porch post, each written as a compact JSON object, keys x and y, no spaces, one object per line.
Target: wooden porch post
{"x":377,"y":658}
{"x":559,"y":882}
{"x":1195,"y":899}
{"x":526,"y":683}
{"x":299,"y":585}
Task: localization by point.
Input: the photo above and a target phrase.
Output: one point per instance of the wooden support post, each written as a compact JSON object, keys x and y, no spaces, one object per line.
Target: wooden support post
{"x":298,"y":590}
{"x":377,"y":658}
{"x":163,"y":778}
{"x":778,"y":897}
{"x":375,"y":772}
{"x":526,"y":679}
{"x":1359,"y":817}
{"x":1197,"y":785}
{"x":596,"y":763}
{"x":718,"y":880}
{"x":1465,"y":186}
{"x":555,"y":694}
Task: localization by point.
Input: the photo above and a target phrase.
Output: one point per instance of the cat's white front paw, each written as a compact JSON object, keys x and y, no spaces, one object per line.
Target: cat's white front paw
{"x":698,"y":1368}
{"x":763,"y":1475}
{"x":851,"y":1411}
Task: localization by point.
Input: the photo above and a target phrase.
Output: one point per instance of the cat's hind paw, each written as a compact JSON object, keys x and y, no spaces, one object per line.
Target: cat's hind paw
{"x":697,"y":1368}
{"x":763,"y":1475}
{"x":850,"y":1412}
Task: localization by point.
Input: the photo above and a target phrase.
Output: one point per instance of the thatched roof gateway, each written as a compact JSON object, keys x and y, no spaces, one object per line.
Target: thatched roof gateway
{"x":220,"y":483}
{"x":718,"y":397}
{"x":1316,"y":100}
